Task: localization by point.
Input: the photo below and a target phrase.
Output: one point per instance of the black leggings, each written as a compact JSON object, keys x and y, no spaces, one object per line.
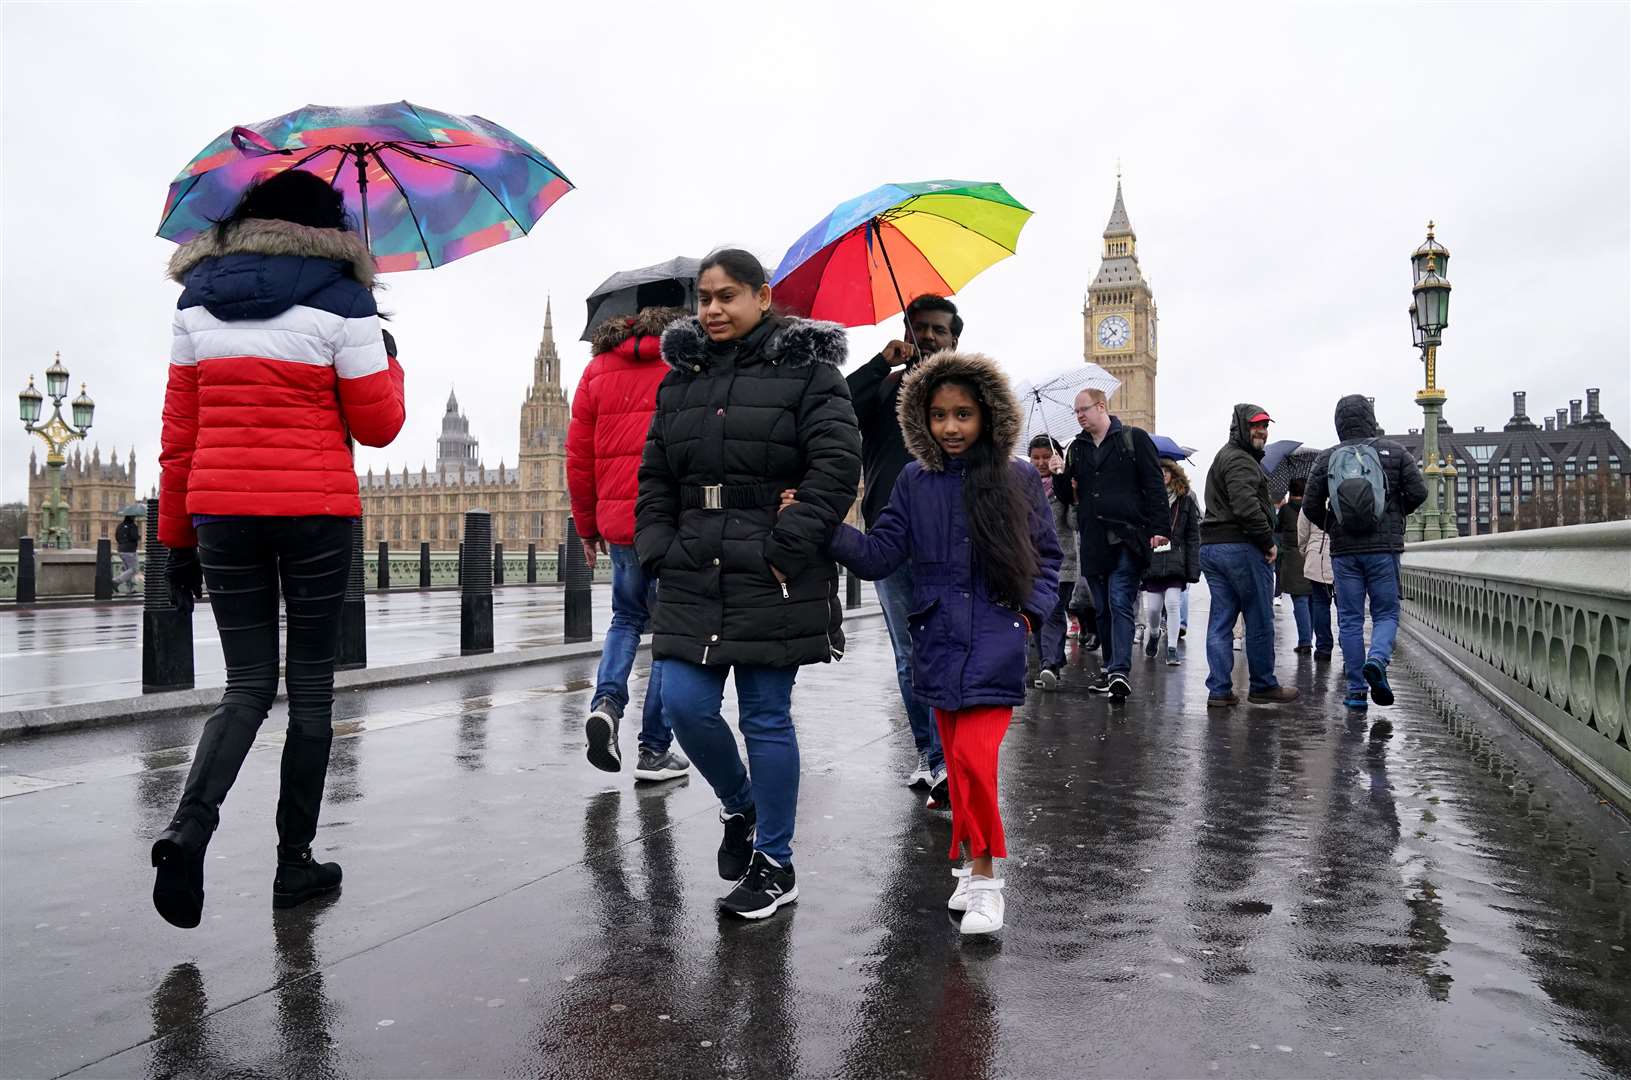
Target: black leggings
{"x":246,"y":560}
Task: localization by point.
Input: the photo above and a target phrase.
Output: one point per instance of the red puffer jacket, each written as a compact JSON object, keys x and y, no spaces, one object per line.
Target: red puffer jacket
{"x":277,"y":361}
{"x":611,"y":413}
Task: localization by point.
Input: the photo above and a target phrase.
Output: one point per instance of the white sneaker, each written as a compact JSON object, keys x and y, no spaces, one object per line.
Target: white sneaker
{"x":985,"y":906}
{"x":959,"y":896}
{"x":922,"y":776}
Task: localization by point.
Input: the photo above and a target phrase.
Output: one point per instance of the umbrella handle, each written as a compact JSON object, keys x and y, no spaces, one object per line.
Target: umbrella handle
{"x":872,"y":227}
{"x":362,"y":190}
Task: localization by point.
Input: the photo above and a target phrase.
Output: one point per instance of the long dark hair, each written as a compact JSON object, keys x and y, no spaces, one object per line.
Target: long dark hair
{"x":999,"y":512}
{"x":299,"y":197}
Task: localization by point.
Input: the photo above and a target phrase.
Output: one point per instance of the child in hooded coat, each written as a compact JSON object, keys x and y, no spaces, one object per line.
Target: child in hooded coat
{"x":976,"y":525}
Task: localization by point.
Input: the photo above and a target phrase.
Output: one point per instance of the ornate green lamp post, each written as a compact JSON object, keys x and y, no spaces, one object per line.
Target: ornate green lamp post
{"x":58,"y":435}
{"x":1429,"y":315}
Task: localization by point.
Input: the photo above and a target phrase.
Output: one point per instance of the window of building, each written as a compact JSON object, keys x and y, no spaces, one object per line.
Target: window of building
{"x":1591,"y":463}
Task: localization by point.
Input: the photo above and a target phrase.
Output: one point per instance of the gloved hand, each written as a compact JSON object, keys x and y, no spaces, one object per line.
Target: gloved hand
{"x":185,"y":576}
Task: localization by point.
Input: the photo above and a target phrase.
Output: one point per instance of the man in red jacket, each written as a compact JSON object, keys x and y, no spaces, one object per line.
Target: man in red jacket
{"x":611,"y":413}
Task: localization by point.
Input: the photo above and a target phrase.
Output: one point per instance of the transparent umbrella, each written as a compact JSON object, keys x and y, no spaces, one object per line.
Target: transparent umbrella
{"x":1050,"y":402}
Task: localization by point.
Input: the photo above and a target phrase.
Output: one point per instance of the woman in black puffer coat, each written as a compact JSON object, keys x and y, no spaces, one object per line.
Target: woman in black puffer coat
{"x":755,"y":405}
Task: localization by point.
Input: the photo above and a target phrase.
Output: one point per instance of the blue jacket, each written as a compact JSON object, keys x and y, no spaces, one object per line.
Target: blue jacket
{"x":967,"y":649}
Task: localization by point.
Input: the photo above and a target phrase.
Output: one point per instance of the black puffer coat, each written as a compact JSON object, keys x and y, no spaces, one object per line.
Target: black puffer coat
{"x":1401,"y":477}
{"x":757,"y":415}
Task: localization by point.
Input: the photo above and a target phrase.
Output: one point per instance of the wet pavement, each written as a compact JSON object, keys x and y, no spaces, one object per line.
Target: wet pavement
{"x":1264,"y":892}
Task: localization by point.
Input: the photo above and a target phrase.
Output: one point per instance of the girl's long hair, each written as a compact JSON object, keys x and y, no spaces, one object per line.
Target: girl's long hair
{"x":1177,"y":479}
{"x":999,"y":512}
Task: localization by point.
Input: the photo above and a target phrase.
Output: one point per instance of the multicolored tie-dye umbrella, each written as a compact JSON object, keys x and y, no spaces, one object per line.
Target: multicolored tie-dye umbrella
{"x":872,"y":255}
{"x":428,"y":187}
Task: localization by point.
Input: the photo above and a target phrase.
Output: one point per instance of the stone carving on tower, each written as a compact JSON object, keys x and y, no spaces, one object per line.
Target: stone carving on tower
{"x":1119,"y":320}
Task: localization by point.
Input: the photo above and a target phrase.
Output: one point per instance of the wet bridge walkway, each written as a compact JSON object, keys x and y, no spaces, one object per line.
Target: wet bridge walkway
{"x":1259,"y":893}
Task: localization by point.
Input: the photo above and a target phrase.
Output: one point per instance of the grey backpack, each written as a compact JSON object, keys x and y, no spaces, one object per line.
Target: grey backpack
{"x":1357,"y":488}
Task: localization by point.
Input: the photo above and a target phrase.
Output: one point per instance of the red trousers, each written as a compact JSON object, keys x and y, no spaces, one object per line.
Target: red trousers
{"x":970,"y":738}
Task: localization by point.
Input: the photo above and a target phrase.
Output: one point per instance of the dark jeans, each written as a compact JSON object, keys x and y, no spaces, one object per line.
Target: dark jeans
{"x":632,"y":596}
{"x":1373,"y":577}
{"x":1114,"y":596}
{"x":1241,"y":583}
{"x":1319,"y":609}
{"x":1050,"y":636}
{"x":246,"y":561}
{"x":1302,"y":613}
{"x":895,"y":597}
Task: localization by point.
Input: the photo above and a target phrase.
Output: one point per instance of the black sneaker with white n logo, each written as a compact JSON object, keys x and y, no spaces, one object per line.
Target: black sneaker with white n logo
{"x":762,"y":891}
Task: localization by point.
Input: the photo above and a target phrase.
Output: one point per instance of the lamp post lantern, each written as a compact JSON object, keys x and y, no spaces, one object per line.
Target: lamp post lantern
{"x":1429,"y":315}
{"x":58,"y":434}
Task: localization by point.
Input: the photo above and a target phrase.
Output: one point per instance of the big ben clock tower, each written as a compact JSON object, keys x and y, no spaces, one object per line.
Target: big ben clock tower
{"x":1118,"y":322}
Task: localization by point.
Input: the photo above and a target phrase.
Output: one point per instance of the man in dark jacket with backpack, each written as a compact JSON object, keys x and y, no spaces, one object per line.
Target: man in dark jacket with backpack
{"x":1360,"y":492}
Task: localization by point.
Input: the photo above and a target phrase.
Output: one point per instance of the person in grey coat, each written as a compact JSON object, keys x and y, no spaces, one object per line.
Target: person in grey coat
{"x":1174,"y":568}
{"x":1050,"y":637}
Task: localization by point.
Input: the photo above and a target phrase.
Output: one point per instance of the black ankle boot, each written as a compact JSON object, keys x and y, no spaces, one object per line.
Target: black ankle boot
{"x":178,"y":887}
{"x":301,"y":877}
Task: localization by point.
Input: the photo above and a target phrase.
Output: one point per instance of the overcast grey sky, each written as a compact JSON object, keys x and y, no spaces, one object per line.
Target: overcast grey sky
{"x":1280,"y":164}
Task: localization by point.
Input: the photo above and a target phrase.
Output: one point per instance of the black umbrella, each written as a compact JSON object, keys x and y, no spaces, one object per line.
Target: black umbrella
{"x":667,"y":284}
{"x":1294,"y":465}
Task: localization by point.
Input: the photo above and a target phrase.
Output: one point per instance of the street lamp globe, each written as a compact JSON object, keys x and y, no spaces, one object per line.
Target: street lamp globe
{"x":84,"y":409}
{"x":28,"y":403}
{"x":56,"y":378}
{"x":1415,"y":327}
{"x":1432,"y":303}
{"x":1432,"y":250}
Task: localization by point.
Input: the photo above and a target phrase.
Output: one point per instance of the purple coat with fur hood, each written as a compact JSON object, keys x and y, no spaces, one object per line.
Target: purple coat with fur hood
{"x":967,"y":649}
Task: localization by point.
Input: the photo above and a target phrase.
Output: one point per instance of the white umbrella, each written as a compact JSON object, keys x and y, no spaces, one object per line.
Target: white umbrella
{"x":1050,"y":402}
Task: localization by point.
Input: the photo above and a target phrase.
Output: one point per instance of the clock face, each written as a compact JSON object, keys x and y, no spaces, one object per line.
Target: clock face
{"x":1114,"y":332}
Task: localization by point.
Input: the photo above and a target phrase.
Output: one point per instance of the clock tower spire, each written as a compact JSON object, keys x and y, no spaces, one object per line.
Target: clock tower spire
{"x":1118,"y":320}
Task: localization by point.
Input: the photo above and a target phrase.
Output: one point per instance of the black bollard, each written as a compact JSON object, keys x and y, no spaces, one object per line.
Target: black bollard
{"x":167,"y":631}
{"x":353,"y":650}
{"x":104,"y":570}
{"x":424,"y":564}
{"x":458,"y":567}
{"x":25,"y":570}
{"x":532,"y":564}
{"x":560,"y":562}
{"x":579,"y":617}
{"x":852,"y":590}
{"x":383,"y":571}
{"x":476,"y":584}
{"x":498,"y":564}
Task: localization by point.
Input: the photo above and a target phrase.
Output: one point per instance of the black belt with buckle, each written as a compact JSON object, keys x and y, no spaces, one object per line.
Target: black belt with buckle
{"x":730,"y":496}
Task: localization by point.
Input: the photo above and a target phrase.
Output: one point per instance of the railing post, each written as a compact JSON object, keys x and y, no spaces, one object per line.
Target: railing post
{"x":424,"y":564}
{"x":25,"y":570}
{"x":498,"y":564}
{"x":476,"y":584}
{"x":353,"y":650}
{"x":578,"y":576}
{"x":383,"y":571}
{"x":532,"y":564}
{"x":852,"y":590}
{"x":104,"y":571}
{"x":167,"y":631}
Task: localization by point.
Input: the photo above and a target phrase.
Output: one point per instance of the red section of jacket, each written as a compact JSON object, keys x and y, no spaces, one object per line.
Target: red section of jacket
{"x":611,"y":413}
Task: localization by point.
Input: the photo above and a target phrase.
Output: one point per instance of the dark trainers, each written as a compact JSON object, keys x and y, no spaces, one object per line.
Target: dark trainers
{"x":1152,"y":643}
{"x":1172,"y":656}
{"x":601,"y":729}
{"x":1376,"y":675}
{"x":1048,"y":679}
{"x":1356,"y":701}
{"x":1119,"y":686}
{"x":1100,"y":683}
{"x":737,"y":847}
{"x":301,"y":877}
{"x":1381,"y":729}
{"x":939,"y":791}
{"x":178,"y":887}
{"x":1323,"y":655}
{"x":667,"y":765}
{"x":763,"y":890}
{"x":1277,"y":696}
{"x":1227,"y":701}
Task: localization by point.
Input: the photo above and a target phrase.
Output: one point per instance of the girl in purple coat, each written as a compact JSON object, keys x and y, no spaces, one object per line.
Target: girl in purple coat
{"x":975,"y":523}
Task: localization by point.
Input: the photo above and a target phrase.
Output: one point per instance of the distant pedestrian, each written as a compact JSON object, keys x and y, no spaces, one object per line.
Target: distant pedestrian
{"x":1237,"y":557}
{"x":605,"y":438}
{"x":1174,"y":566}
{"x":129,"y":538}
{"x":278,"y":362}
{"x":1293,"y":580}
{"x":1315,"y":545}
{"x":1112,"y":475}
{"x":976,"y":526}
{"x":1360,"y":492}
{"x":930,"y":324}
{"x":754,"y":405}
{"x":1050,"y":638}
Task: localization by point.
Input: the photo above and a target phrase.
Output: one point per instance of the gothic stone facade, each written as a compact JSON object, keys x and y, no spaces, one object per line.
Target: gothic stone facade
{"x":1119,"y":319}
{"x":95,"y":491}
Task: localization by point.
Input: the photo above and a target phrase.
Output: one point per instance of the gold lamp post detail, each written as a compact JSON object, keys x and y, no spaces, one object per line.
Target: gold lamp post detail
{"x":1429,"y":315}
{"x":58,"y":434}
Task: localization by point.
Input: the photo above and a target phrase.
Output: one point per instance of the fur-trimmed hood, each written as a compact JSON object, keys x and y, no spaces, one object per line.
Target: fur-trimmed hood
{"x":991,"y":383}
{"x":264,"y":236}
{"x":789,"y":340}
{"x":648,"y":322}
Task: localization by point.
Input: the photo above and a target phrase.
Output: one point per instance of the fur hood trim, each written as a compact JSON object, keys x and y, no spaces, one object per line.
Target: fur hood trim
{"x":264,"y":236}
{"x":649,"y":322}
{"x":991,"y":382}
{"x":791,"y":340}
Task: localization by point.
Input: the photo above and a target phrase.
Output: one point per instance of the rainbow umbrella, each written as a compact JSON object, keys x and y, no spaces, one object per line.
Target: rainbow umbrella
{"x":428,"y":187}
{"x":872,"y":255}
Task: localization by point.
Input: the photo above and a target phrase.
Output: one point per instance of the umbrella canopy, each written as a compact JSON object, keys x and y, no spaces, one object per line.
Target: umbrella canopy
{"x":428,"y":187}
{"x":1169,"y":448}
{"x":671,"y":284}
{"x":1050,"y":402}
{"x":134,"y":510}
{"x":1295,"y":465}
{"x":1276,"y":452}
{"x":874,"y":254}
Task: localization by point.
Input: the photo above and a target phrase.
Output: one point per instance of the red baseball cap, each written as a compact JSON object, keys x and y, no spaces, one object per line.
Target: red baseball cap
{"x":1261,"y":418}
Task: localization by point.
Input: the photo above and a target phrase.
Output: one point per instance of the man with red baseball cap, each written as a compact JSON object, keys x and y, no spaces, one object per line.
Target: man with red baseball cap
{"x":1237,"y":556}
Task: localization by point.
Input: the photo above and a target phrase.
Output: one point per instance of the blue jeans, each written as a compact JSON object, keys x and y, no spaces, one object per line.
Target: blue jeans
{"x":632,"y":593}
{"x":1050,"y":636}
{"x":1241,"y":583}
{"x":1300,"y":611}
{"x":895,"y":594}
{"x":769,"y":782}
{"x":1319,"y":610}
{"x":1114,"y":596}
{"x":1360,"y":577}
